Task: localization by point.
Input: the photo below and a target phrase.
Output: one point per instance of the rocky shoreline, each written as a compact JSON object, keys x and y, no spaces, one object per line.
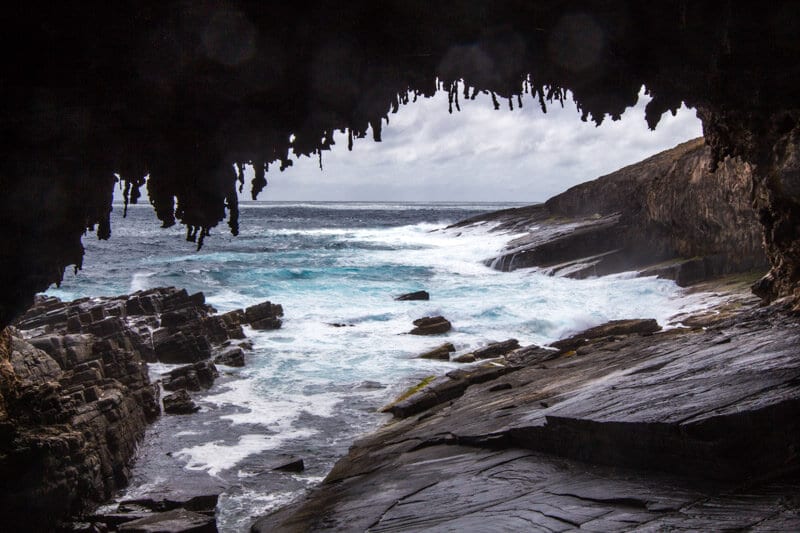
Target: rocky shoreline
{"x":621,"y":427}
{"x":668,"y":215}
{"x":76,"y":399}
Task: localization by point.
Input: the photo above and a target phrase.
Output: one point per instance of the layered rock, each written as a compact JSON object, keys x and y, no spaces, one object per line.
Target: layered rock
{"x":689,"y":429}
{"x":668,"y":215}
{"x":75,"y":395}
{"x":74,"y":413}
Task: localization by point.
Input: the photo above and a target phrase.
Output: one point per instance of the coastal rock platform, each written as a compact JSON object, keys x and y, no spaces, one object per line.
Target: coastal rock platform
{"x":690,"y":428}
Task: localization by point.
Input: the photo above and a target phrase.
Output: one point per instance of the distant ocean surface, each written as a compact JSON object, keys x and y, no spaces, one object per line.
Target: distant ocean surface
{"x":309,"y":389}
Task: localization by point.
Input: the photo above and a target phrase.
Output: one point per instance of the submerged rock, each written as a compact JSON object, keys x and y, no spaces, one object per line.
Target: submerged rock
{"x":418,"y":295}
{"x":431,"y":325}
{"x":440,"y":352}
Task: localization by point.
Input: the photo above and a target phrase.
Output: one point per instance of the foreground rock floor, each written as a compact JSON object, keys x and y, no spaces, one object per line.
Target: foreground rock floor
{"x":694,"y":428}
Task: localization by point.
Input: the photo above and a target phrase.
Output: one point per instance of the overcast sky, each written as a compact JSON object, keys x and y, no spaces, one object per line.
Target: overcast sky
{"x":478,"y":154}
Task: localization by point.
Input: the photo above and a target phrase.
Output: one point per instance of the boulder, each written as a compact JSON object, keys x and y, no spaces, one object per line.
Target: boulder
{"x":179,"y":403}
{"x":194,"y":377}
{"x":264,"y":316}
{"x":231,"y":356}
{"x":431,"y":325}
{"x":440,"y":352}
{"x":418,"y":295}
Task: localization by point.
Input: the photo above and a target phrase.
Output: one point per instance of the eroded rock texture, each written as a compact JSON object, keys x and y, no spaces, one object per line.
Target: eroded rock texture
{"x":623,"y":428}
{"x":184,"y":91}
{"x":668,"y":215}
{"x":75,"y":395}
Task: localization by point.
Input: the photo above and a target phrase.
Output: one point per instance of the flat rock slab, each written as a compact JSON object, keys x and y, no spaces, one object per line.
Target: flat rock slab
{"x":175,"y":521}
{"x":682,"y":429}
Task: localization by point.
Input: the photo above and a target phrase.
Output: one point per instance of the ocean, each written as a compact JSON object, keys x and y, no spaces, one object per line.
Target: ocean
{"x":309,"y":389}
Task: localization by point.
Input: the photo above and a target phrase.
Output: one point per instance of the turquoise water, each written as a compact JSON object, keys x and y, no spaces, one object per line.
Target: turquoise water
{"x":309,"y":389}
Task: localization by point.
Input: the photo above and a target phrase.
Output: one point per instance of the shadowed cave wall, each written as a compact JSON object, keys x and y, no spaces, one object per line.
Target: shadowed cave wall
{"x":185,"y":93}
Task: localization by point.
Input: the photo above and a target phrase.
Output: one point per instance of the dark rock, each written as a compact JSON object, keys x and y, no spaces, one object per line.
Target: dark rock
{"x":179,"y":403}
{"x":431,"y":325}
{"x":418,"y":295}
{"x":264,"y":316}
{"x":231,"y":356}
{"x":614,"y":327}
{"x":465,"y":358}
{"x":175,"y":521}
{"x":441,"y":352}
{"x":73,"y":421}
{"x":200,"y":503}
{"x":294,"y":464}
{"x":194,"y":377}
{"x":496,"y":349}
{"x":178,"y":347}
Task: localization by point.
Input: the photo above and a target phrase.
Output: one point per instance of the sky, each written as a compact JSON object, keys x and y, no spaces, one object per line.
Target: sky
{"x":478,"y":154}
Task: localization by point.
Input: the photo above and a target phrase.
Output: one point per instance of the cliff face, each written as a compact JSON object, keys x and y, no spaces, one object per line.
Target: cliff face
{"x":669,"y":214}
{"x":72,"y":415}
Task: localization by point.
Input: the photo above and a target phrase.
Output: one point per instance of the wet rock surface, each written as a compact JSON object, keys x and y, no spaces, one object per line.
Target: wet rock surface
{"x":179,"y":403}
{"x":411,"y":296}
{"x":688,"y":428}
{"x":75,"y":395}
{"x":431,"y":325}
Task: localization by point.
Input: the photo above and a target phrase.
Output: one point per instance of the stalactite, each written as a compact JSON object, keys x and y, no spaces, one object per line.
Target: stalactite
{"x":259,"y":181}
{"x":495,"y":102}
{"x":125,"y":194}
{"x":350,"y":139}
{"x":240,"y":174}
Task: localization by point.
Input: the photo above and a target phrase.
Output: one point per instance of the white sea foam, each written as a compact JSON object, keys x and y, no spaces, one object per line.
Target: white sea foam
{"x":217,"y":456}
{"x":140,"y":281}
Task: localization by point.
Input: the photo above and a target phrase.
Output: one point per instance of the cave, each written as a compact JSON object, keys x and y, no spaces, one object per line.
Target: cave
{"x":180,"y":97}
{"x":177,"y":96}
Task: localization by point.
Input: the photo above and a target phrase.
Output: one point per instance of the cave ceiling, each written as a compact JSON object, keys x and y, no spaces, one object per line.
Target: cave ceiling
{"x":187,"y":93}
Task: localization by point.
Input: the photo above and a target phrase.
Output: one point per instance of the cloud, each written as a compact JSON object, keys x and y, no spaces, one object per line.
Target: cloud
{"x":479,"y":153}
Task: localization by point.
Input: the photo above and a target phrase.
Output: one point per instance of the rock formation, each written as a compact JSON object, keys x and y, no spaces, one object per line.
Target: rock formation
{"x":176,"y":94}
{"x":75,"y":395}
{"x":624,"y":427}
{"x":667,"y":215}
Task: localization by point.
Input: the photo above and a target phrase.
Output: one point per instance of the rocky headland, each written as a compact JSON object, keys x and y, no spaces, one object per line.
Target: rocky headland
{"x":668,"y":215}
{"x":76,"y":398}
